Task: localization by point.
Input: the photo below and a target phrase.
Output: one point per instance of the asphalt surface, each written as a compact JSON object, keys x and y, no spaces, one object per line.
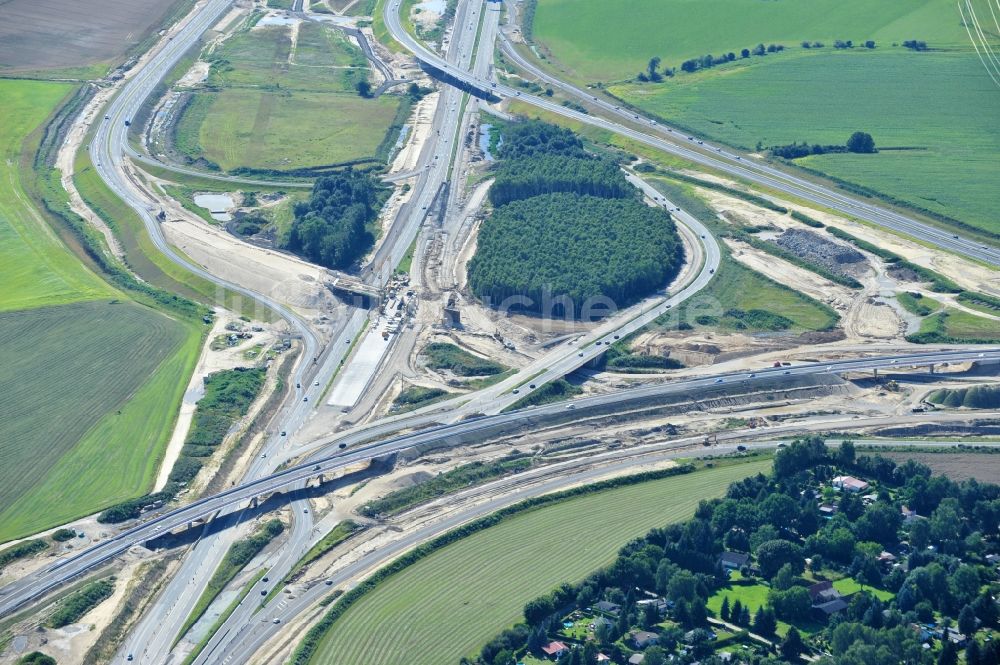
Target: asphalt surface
{"x":436,"y":166}
{"x":110,"y":145}
{"x":676,"y":142}
{"x":54,"y":575}
{"x":258,"y":634}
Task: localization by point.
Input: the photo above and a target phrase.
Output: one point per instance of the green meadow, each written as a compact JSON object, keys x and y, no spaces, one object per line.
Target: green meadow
{"x":932,"y":113}
{"x":274,"y":103}
{"x":91,"y":381}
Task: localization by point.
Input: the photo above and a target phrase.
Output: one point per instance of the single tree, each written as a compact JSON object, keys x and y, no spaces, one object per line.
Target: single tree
{"x":792,"y":645}
{"x":736,"y":615}
{"x":861,"y":142}
{"x":973,"y":653}
{"x":652,"y":66}
{"x":765,"y":622}
{"x":724,"y":610}
{"x":949,"y":654}
{"x":655,"y":656}
{"x":967,"y":620}
{"x":364,"y":88}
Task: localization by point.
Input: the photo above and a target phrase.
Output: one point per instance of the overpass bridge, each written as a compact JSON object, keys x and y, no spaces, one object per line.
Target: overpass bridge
{"x":352,"y":289}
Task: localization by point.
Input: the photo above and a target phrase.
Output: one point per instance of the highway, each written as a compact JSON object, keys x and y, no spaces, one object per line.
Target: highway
{"x":675,"y":142}
{"x":109,"y":150}
{"x":67,"y":568}
{"x":550,"y":478}
{"x":437,"y":164}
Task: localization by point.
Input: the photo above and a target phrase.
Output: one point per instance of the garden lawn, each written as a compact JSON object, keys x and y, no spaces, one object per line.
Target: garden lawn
{"x":451,"y":603}
{"x":848,"y":585}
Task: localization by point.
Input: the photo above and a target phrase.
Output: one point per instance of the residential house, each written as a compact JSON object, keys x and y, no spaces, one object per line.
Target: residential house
{"x":659,"y":603}
{"x":825,"y":599}
{"x":601,"y":658}
{"x":598,"y":622}
{"x":831,"y":607}
{"x":908,"y":514}
{"x":636,"y":659}
{"x":822,"y":592}
{"x":733,"y":560}
{"x":555,"y":650}
{"x":849,"y":484}
{"x":644,"y":638}
{"x":607,"y":608}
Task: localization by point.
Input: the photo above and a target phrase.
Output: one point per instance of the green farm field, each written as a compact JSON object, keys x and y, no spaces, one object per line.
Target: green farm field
{"x":272,"y":104}
{"x":935,"y":105}
{"x":88,"y":395}
{"x":38,"y":270}
{"x":633,"y":31}
{"x":91,"y":381}
{"x":449,"y":604}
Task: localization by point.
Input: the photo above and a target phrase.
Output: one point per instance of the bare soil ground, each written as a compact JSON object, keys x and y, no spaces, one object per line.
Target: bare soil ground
{"x":53,"y":34}
{"x":957,"y":466}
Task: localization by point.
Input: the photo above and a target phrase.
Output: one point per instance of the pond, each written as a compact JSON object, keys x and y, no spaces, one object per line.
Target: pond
{"x":218,"y":205}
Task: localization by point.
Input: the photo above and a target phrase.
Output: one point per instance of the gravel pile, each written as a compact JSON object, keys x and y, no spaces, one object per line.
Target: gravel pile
{"x":817,"y":249}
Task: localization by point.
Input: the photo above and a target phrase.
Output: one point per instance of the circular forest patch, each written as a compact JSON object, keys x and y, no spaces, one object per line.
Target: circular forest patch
{"x":570,"y":256}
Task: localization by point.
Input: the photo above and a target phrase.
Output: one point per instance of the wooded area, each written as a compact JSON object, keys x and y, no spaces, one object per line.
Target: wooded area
{"x":331,"y":228}
{"x":569,"y":232}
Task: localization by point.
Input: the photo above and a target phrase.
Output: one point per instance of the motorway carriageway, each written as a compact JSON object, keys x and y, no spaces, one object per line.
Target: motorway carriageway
{"x":37,"y":584}
{"x":713,"y":157}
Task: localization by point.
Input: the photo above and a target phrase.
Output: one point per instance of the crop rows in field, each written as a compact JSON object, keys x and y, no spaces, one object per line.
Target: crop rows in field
{"x":65,"y":368}
{"x":448,"y":605}
{"x":928,"y":111}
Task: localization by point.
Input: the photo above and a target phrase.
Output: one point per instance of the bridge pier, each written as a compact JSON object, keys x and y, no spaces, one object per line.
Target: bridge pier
{"x":253,"y":502}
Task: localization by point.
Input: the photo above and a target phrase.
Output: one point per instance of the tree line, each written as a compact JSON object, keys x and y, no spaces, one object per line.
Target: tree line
{"x":655,"y":74}
{"x":331,"y":228}
{"x":546,"y":174}
{"x":858,"y":142}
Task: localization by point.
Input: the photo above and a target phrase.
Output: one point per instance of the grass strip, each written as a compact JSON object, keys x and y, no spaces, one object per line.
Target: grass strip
{"x":738,"y":193}
{"x":553,"y":391}
{"x":238,"y":556}
{"x":467,"y":475}
{"x":191,"y":657}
